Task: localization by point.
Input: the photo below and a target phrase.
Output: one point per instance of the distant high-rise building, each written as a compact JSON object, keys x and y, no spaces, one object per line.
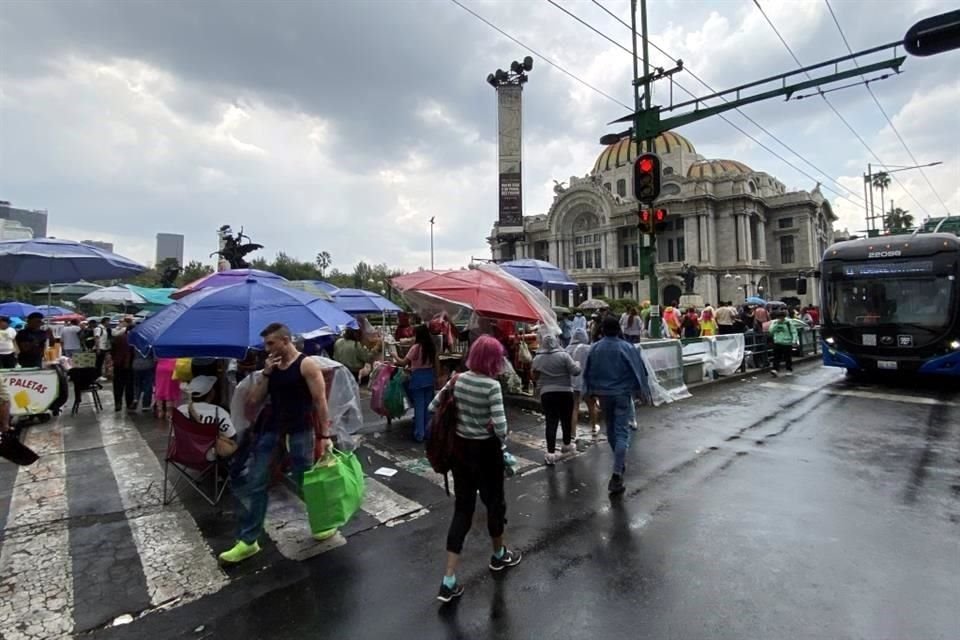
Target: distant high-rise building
{"x":99,"y":244}
{"x":169,"y":245}
{"x":35,"y":219}
{"x":13,"y":230}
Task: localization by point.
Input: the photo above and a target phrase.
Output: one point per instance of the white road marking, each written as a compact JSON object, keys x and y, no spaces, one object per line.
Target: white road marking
{"x":177,"y":562}
{"x":287,"y":525}
{"x":385,"y":504}
{"x":857,"y":393}
{"x":36,"y":580}
{"x":416,"y":465}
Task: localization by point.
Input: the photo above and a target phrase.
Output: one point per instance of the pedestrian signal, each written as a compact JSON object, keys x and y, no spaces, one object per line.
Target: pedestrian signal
{"x":646,"y":178}
{"x":660,"y":219}
{"x":646,"y":221}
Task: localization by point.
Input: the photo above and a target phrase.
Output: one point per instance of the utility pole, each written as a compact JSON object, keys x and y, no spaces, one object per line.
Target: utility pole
{"x":432,"y":219}
{"x":649,"y":143}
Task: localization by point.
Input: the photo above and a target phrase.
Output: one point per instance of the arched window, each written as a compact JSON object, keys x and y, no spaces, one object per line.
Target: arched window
{"x":752,"y":187}
{"x":608,"y":186}
{"x":621,"y":187}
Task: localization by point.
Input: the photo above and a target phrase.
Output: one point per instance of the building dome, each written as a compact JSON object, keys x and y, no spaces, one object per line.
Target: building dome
{"x":717,"y":168}
{"x":625,"y":152}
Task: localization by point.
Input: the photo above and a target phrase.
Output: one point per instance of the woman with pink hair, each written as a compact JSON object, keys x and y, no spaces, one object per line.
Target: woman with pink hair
{"x":478,"y":466}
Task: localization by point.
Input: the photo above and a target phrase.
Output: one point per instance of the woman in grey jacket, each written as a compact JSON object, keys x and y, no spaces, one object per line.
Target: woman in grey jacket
{"x":554,"y":370}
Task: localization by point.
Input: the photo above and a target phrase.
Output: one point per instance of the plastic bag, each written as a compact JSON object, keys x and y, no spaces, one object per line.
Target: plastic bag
{"x":378,"y":385}
{"x":183,"y":370}
{"x":333,"y":491}
{"x":393,"y":397}
{"x":523,"y":353}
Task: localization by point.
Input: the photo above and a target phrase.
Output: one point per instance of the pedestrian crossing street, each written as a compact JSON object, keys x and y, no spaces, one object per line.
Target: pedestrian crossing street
{"x":86,"y":538}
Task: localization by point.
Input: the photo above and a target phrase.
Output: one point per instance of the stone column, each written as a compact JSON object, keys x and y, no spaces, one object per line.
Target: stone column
{"x":762,"y":240}
{"x":552,"y":251}
{"x":691,"y":239}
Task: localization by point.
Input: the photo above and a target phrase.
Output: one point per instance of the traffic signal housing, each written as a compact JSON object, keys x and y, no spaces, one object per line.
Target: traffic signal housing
{"x":645,"y":221}
{"x":660,"y":220}
{"x":646,"y":178}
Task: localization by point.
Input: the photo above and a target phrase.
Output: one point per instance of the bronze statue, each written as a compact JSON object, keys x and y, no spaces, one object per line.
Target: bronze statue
{"x":169,"y":276}
{"x":234,"y":248}
{"x":689,"y":275}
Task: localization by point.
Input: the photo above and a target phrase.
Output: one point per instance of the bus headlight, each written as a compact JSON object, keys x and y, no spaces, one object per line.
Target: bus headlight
{"x":831,"y":341}
{"x":955,"y":345}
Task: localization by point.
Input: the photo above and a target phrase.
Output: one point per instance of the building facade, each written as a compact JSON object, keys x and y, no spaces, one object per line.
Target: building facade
{"x":35,"y":219}
{"x":741,"y":229}
{"x":99,"y":244}
{"x":169,"y":245}
{"x":13,"y":230}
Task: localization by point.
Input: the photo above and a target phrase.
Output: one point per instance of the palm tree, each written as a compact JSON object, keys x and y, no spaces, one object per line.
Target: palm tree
{"x":898,"y":219}
{"x":323,"y":262}
{"x":881,"y":181}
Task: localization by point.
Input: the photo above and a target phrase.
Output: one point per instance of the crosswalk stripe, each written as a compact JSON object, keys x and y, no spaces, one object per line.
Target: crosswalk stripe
{"x":36,"y":583}
{"x":177,"y":562}
{"x":386,"y":505}
{"x":418,"y":466}
{"x":287,"y":525}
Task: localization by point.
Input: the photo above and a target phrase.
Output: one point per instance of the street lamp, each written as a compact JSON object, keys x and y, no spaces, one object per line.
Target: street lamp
{"x":432,"y":219}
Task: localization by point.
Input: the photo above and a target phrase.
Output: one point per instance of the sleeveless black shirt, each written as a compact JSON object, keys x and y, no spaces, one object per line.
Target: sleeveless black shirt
{"x":290,"y":399}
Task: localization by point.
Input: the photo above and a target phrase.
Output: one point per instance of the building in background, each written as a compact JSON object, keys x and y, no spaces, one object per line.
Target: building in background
{"x":745,"y":233}
{"x":99,"y":244}
{"x":35,"y":219}
{"x":169,"y":245}
{"x":13,"y":230}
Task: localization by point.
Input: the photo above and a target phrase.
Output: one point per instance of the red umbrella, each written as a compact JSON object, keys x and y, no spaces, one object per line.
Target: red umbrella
{"x":486,"y":293}
{"x":67,"y":318}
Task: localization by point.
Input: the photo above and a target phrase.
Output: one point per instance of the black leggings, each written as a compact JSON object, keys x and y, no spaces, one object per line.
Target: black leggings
{"x":479,"y":468}
{"x":557,"y":407}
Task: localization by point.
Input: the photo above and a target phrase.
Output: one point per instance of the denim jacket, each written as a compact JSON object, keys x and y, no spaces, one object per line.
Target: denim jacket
{"x":614,"y":367}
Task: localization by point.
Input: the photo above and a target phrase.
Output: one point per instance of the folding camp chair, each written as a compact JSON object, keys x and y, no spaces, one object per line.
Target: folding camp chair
{"x":84,"y":379}
{"x":187,"y":448}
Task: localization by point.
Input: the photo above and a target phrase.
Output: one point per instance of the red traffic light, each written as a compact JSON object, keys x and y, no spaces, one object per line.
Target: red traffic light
{"x":646,"y":178}
{"x":661,"y":215}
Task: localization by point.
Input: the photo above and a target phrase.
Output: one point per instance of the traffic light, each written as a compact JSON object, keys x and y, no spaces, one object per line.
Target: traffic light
{"x":646,"y":178}
{"x":645,"y":222}
{"x":660,"y":220}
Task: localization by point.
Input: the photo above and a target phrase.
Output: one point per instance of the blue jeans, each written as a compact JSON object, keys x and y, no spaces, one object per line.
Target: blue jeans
{"x":421,"y":393}
{"x":251,"y":481}
{"x":617,"y":410}
{"x":143,"y":387}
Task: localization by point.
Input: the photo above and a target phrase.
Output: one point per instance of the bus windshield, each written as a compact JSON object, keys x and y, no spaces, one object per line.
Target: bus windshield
{"x":862,"y":300}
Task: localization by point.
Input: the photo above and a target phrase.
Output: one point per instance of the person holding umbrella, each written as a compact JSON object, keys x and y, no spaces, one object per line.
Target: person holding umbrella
{"x":298,"y":401}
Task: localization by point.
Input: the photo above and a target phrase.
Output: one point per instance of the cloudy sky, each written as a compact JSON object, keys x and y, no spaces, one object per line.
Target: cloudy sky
{"x":344,"y":126}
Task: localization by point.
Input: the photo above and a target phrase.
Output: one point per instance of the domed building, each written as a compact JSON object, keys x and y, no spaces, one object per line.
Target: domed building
{"x":742,"y":230}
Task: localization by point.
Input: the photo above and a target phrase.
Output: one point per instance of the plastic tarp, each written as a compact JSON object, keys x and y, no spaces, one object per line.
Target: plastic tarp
{"x":728,"y":353}
{"x":664,"y":362}
{"x":536,"y":298}
{"x":343,"y":403}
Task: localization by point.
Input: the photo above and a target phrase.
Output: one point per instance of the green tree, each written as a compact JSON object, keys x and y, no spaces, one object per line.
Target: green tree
{"x":898,"y":219}
{"x":323,"y":262}
{"x":193,"y":271}
{"x":881,"y":181}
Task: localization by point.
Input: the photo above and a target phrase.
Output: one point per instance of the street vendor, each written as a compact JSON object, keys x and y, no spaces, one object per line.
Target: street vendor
{"x":32,"y":341}
{"x":349,"y":352}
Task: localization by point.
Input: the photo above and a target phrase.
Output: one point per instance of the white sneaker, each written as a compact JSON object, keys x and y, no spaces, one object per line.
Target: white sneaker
{"x":774,"y":373}
{"x":568,"y":448}
{"x":596,"y":429}
{"x":550,"y":459}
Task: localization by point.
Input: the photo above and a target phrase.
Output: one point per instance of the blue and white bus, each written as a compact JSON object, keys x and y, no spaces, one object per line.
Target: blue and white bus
{"x":892,"y":303}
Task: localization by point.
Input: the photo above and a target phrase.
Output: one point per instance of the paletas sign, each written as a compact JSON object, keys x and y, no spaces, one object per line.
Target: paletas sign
{"x":31,"y":391}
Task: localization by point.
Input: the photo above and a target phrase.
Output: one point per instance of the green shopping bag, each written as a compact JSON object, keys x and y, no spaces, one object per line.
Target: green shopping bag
{"x":394,"y":394}
{"x":333,"y":491}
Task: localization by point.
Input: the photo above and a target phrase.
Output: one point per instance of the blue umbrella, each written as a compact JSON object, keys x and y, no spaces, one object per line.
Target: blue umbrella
{"x":224,"y":322}
{"x":312,"y":286}
{"x":540,"y":274}
{"x":15,"y":308}
{"x":53,"y":310}
{"x":359,"y":301}
{"x":755,"y":300}
{"x":54,"y":260}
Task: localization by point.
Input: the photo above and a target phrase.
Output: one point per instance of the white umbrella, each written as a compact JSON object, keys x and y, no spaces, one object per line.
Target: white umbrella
{"x":117,"y":295}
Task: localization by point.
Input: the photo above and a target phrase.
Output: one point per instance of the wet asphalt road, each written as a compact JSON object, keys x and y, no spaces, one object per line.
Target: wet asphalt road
{"x":802,"y":507}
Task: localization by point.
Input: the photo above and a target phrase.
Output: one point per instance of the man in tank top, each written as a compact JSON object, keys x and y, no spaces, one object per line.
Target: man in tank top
{"x":298,"y":402}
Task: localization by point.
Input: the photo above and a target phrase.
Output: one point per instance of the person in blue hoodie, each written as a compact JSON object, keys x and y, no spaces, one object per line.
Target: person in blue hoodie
{"x":615,"y":374}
